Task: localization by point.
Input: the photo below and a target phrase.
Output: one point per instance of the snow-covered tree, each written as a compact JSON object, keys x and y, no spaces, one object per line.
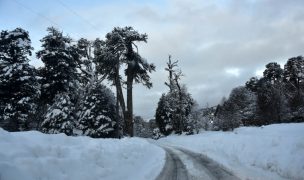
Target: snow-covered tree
{"x":97,"y":113}
{"x":59,"y":117}
{"x":19,"y":88}
{"x":60,"y":61}
{"x":240,"y":105}
{"x":85,"y":64}
{"x":119,"y":49}
{"x":273,"y":73}
{"x":174,"y":112}
{"x":174,"y":108}
{"x":252,"y":84}
{"x":271,"y":95}
{"x":142,"y":128}
{"x":182,"y":103}
{"x":294,"y":71}
{"x":204,"y":118}
{"x":270,"y":101}
{"x":164,"y":115}
{"x":294,"y":80}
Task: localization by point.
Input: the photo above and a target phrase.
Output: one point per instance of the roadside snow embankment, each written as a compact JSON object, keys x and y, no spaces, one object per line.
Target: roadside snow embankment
{"x":33,"y":155}
{"x":269,"y":152}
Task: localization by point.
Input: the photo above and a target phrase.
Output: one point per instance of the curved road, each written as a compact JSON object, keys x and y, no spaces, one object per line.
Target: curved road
{"x":183,"y":164}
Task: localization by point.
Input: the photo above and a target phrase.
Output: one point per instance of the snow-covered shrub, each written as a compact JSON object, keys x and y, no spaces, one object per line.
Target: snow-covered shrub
{"x":157,"y":134}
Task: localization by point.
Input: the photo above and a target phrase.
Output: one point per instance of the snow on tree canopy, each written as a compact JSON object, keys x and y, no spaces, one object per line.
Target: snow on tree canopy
{"x":19,"y":88}
{"x":174,"y":112}
{"x":15,"y":46}
{"x":294,"y":70}
{"x":97,"y":115}
{"x":59,"y":117}
{"x":60,"y":59}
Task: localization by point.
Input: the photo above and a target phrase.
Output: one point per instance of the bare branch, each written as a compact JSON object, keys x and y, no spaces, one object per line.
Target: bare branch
{"x":135,"y":46}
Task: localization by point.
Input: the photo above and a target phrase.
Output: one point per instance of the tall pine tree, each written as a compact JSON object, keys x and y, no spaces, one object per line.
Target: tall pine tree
{"x":294,"y":79}
{"x":19,"y":88}
{"x":120,"y":48}
{"x":60,"y":58}
{"x":59,"y":81}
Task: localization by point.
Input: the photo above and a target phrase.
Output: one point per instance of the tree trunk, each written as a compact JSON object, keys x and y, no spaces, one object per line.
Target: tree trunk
{"x":120,"y":99}
{"x":120,"y":96}
{"x":181,"y":120}
{"x":129,"y":112}
{"x":119,"y":90}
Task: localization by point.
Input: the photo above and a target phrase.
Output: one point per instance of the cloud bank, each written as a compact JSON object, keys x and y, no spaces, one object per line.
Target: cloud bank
{"x":219,"y":44}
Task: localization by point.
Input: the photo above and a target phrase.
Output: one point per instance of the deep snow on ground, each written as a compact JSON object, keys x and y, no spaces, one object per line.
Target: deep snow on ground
{"x":33,"y":155}
{"x":269,"y":152}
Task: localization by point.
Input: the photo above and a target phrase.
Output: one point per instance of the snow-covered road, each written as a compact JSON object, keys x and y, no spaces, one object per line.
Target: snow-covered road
{"x":182,"y":164}
{"x":174,"y":168}
{"x":273,"y":152}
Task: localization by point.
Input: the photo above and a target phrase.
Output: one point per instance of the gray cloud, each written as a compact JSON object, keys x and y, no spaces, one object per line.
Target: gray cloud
{"x":207,"y":37}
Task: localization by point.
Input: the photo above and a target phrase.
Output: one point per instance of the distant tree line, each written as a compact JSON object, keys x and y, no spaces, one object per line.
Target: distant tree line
{"x":276,"y":97}
{"x":67,"y":95}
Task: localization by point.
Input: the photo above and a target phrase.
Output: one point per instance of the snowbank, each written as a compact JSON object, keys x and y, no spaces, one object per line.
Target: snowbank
{"x":33,"y":155}
{"x":269,"y":152}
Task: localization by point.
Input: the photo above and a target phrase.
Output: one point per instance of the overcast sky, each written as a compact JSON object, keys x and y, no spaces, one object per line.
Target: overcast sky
{"x":219,"y":44}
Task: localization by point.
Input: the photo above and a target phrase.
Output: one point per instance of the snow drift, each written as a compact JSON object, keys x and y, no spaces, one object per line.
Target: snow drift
{"x":33,"y":155}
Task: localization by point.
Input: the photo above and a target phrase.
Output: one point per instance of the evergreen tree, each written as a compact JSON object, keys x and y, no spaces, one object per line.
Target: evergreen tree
{"x":19,"y":88}
{"x":59,"y":117}
{"x":269,"y":102}
{"x":174,"y":108}
{"x":204,"y":118}
{"x":106,"y":58}
{"x":270,"y":91}
{"x":60,"y":61}
{"x":241,"y":105}
{"x":273,"y":73}
{"x":271,"y":94}
{"x":164,"y":115}
{"x":97,"y":113}
{"x":252,"y":84}
{"x":182,"y":102}
{"x":142,"y":128}
{"x":294,"y":71}
{"x":119,"y":49}
{"x":85,"y":61}
{"x":294,"y":80}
